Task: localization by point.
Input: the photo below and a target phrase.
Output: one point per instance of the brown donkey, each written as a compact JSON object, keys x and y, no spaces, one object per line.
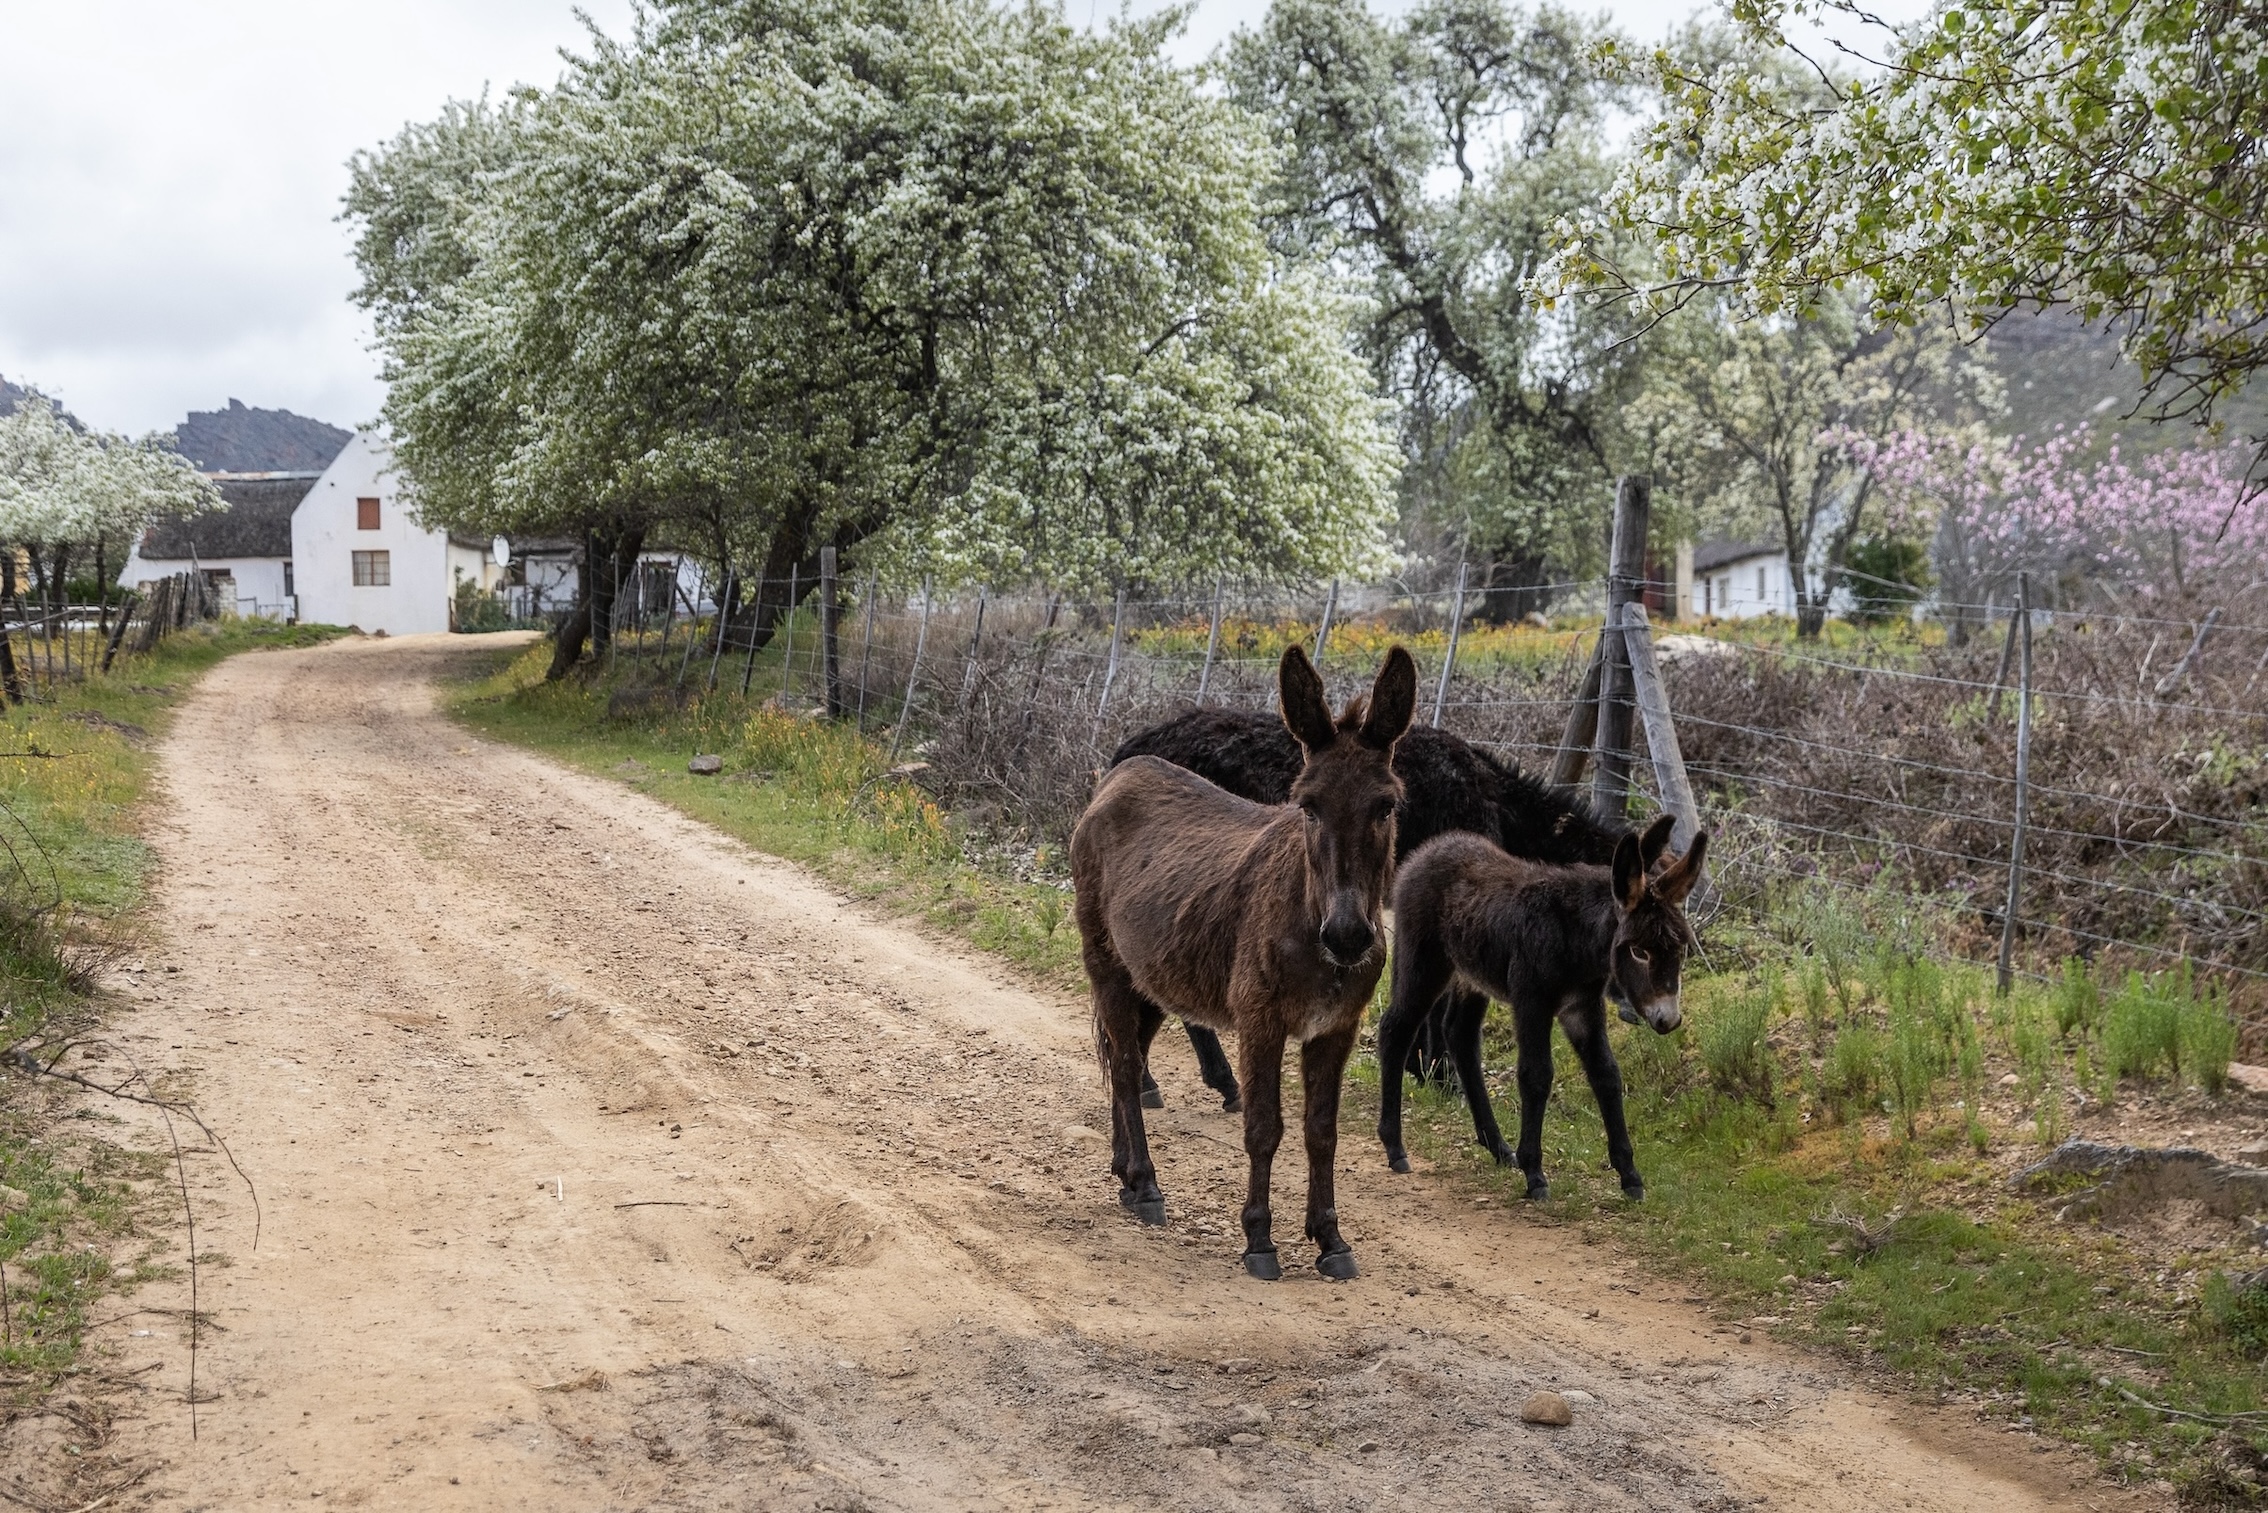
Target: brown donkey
{"x":1236,"y":916}
{"x":1551,"y":942}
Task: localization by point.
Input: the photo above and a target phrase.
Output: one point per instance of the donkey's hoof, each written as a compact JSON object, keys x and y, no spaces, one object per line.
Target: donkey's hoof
{"x":1634,"y":1187}
{"x":1338,"y":1265}
{"x":1538,"y":1190}
{"x":1397,"y":1161}
{"x":1152,"y":1098}
{"x":1627,"y":1014}
{"x":1148,"y":1210}
{"x":1263,"y":1265}
{"x":1232,"y":1103}
{"x":1502,"y":1153}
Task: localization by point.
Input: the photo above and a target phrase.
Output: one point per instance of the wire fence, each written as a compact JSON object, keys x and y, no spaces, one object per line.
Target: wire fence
{"x":1880,"y":762}
{"x":43,"y":646}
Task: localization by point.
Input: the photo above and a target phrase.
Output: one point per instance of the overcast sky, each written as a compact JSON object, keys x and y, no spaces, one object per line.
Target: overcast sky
{"x":170,"y":174}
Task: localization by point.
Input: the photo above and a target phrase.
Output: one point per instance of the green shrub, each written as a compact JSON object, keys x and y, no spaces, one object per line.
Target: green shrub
{"x":2207,"y":1035}
{"x":2142,"y":1030}
{"x":1653,"y":1063}
{"x":1850,"y":1080}
{"x":1734,"y":1050}
{"x":1926,"y":1032}
{"x":2078,"y":1003}
{"x":2236,"y":1309}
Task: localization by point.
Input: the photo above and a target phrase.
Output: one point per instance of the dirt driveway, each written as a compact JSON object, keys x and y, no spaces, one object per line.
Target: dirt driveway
{"x":605,"y":1164}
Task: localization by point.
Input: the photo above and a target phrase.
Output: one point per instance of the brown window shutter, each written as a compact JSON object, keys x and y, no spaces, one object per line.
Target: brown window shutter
{"x":366,"y":514}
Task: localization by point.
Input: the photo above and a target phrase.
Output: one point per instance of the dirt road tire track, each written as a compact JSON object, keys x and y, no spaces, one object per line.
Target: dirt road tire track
{"x":608,"y":1165}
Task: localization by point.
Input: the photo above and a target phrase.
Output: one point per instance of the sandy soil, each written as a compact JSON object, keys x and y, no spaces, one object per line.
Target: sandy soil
{"x":605,"y":1164}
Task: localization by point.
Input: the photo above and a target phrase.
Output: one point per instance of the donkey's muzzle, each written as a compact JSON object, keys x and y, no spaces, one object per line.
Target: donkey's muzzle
{"x":1347,"y":939}
{"x":1662,"y":1013}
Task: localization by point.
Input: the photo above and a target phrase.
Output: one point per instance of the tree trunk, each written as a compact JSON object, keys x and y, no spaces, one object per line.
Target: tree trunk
{"x":609,"y":554}
{"x":59,"y":578}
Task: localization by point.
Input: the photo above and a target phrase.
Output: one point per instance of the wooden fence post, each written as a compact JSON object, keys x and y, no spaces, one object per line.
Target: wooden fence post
{"x":10,"y":680}
{"x":1110,"y":668}
{"x":2007,"y":973}
{"x":830,"y":627}
{"x":905,"y":705}
{"x":866,"y":657}
{"x":724,"y":617}
{"x":1582,"y":724}
{"x":1670,"y":778}
{"x":1323,"y":631}
{"x":968,"y":672}
{"x":2000,"y":673}
{"x":1449,"y":656}
{"x":787,"y":656}
{"x":2171,"y":682}
{"x":1212,"y":641}
{"x":1046,"y":641}
{"x":117,"y":633}
{"x":1626,"y":570}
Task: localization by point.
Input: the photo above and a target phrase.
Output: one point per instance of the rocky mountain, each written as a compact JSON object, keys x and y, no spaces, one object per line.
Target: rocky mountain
{"x":243,"y":439}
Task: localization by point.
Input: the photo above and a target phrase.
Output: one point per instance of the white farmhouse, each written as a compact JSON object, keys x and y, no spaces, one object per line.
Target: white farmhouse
{"x":1735,"y":580}
{"x":359,"y":559}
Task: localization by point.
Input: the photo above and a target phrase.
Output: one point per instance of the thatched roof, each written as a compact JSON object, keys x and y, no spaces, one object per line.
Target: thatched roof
{"x":257,"y":522}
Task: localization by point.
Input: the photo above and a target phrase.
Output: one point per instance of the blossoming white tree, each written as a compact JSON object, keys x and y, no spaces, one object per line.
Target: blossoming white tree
{"x":65,"y":490}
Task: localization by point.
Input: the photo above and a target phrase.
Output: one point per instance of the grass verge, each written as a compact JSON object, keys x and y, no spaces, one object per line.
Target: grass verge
{"x":74,"y":769}
{"x":1827,"y":1143}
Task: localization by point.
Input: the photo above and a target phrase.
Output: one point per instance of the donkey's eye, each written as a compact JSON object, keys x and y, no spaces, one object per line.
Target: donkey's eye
{"x":1641,"y":955}
{"x":1385,"y":808}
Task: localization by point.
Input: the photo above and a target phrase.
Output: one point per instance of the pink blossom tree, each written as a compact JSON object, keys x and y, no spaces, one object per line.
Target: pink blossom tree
{"x":2168,"y":526}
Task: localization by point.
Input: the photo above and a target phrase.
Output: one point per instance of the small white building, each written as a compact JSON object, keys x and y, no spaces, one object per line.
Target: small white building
{"x":358,"y":558}
{"x":243,"y":552}
{"x":1736,"y":580}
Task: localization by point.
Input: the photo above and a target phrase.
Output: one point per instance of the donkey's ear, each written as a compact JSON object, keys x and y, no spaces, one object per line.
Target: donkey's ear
{"x":1629,"y":873}
{"x":1393,"y":699}
{"x":1655,"y":841}
{"x":1307,"y":714}
{"x":1678,"y":877}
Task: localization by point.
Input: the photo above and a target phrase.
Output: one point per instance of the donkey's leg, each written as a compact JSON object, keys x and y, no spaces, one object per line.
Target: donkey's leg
{"x":1127,"y":1020}
{"x":1420,"y":973}
{"x":1468,"y":1011}
{"x":1213,"y":1066}
{"x":1262,"y":1056}
{"x":1532,"y":1029}
{"x":1587,"y":1032}
{"x":1322,"y":1071}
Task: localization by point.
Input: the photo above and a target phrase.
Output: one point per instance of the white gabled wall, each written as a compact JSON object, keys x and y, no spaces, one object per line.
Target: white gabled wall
{"x":1734,"y":592}
{"x":324,"y":537}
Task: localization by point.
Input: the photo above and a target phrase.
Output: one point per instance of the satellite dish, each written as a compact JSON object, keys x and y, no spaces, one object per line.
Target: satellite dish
{"x":502,"y":551}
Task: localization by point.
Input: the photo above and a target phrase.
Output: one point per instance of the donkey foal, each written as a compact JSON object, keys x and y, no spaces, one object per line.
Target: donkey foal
{"x":1261,"y":920}
{"x":1549,"y":941}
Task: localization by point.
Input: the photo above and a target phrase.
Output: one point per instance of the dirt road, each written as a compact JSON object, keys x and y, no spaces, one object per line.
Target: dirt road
{"x":604,"y":1164}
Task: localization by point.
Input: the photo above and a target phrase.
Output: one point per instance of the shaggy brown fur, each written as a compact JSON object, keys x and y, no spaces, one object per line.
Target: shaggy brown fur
{"x":1550,"y":942}
{"x":1261,"y":920}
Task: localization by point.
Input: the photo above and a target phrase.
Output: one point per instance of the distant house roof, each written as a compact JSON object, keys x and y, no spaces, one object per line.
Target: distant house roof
{"x":243,"y":439}
{"x":257,"y":522}
{"x":1711,"y":555}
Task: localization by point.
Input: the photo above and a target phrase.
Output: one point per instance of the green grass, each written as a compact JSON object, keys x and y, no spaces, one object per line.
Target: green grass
{"x":74,"y":769}
{"x":1832,"y":1070}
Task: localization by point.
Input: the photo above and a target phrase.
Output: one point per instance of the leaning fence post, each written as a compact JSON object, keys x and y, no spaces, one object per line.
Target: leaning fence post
{"x":1110,"y":668}
{"x":724,"y":616}
{"x":10,"y":679}
{"x":830,"y":626}
{"x":866,"y":656}
{"x":109,"y":653}
{"x":2000,"y":673}
{"x":1670,"y":778}
{"x":1449,"y":656}
{"x":1212,"y":641}
{"x":905,"y":705}
{"x":1626,"y":570}
{"x":787,"y":657}
{"x":748,"y":664}
{"x":968,"y":673}
{"x":2171,"y":682}
{"x":1046,"y":640}
{"x":692,"y":628}
{"x":1323,"y":631}
{"x":1582,"y":723}
{"x":2023,"y":781}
